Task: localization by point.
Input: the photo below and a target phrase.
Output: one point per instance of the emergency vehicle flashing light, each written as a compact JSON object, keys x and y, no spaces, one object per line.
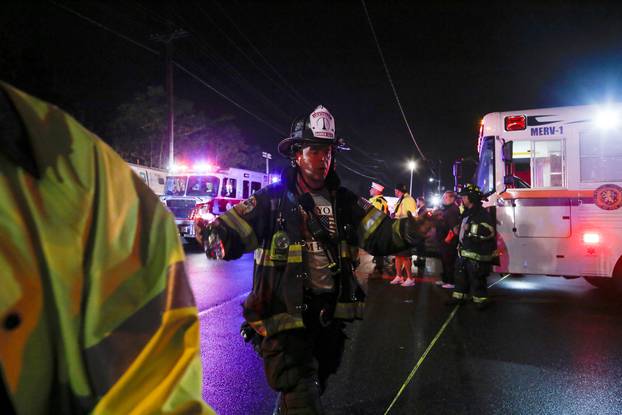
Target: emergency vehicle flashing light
{"x":175,"y":168}
{"x":199,"y":167}
{"x":591,"y":238}
{"x":515,"y":122}
{"x":607,"y":119}
{"x":204,"y":167}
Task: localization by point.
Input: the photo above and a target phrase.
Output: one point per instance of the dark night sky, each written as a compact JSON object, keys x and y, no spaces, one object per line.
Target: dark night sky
{"x":451,"y":62}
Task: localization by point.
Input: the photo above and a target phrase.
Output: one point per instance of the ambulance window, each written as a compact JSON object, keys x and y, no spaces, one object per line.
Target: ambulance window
{"x":254,"y":187}
{"x":485,"y":174}
{"x":228,"y":187}
{"x":601,"y":156}
{"x":547,"y":164}
{"x":160,"y":180}
{"x":246,"y":190}
{"x":521,"y":158}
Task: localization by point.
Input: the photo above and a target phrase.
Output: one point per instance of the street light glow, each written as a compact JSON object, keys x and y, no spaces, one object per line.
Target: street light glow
{"x":436,"y":200}
{"x":412,"y":165}
{"x":431,"y":179}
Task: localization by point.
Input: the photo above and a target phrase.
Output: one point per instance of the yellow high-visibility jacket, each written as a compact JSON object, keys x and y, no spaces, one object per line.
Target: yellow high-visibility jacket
{"x":380,"y":203}
{"x":97,"y":314}
{"x":404,"y":205}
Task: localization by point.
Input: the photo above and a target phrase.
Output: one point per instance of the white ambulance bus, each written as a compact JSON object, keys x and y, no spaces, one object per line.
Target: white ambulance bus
{"x":554,"y":177}
{"x":154,"y":178}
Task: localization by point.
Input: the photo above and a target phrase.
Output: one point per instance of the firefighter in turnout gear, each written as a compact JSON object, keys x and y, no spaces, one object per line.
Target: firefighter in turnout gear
{"x":476,"y":249}
{"x":301,"y":231}
{"x":98,"y":313}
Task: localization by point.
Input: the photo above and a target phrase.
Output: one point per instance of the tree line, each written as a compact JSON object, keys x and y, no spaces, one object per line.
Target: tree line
{"x":139,"y":134}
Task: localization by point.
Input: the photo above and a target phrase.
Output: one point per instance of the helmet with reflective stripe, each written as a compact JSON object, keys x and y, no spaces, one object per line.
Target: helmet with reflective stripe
{"x":315,"y":128}
{"x":472,"y":191}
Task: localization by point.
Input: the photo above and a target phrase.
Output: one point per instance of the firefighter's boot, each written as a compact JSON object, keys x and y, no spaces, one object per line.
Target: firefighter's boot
{"x":456,"y":298}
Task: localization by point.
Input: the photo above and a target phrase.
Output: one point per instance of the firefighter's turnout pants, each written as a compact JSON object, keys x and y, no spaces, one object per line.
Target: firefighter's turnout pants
{"x":471,"y":278}
{"x":298,"y":362}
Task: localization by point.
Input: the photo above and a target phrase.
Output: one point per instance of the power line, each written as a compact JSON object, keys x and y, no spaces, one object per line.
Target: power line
{"x":230,"y":70}
{"x":367,"y":169}
{"x":386,"y":68}
{"x":178,"y":65}
{"x":340,"y":163}
{"x":300,"y":98}
{"x":101,"y":26}
{"x":241,"y":51}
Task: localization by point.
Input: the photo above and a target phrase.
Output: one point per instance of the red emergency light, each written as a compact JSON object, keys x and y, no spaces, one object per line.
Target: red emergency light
{"x":591,"y":238}
{"x":515,"y":122}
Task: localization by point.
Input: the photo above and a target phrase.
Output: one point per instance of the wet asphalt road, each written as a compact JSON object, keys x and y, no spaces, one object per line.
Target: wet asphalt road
{"x":547,"y":346}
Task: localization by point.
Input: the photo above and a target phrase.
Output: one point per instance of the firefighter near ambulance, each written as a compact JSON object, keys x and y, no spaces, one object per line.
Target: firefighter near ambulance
{"x":301,"y":230}
{"x":476,"y":249}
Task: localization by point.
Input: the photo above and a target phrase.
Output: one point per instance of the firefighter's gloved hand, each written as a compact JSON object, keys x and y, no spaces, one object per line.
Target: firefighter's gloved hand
{"x":212,"y":236}
{"x":251,"y":336}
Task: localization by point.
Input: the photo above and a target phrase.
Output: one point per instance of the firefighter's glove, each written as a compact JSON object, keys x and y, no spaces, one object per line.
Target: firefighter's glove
{"x":212,"y":237}
{"x":251,"y":337}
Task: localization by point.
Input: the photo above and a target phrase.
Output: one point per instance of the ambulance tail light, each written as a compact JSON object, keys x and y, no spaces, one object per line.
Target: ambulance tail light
{"x":591,"y":238}
{"x":515,"y":122}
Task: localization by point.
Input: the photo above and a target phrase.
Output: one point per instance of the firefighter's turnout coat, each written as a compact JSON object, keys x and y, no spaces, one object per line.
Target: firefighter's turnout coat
{"x":97,"y":311}
{"x":276,"y":301}
{"x":477,"y":235}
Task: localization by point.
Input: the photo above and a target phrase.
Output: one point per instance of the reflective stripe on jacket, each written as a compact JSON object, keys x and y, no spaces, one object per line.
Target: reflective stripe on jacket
{"x":93,"y":269}
{"x":477,"y":235}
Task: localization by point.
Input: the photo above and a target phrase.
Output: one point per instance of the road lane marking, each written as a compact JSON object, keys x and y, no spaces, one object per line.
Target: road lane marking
{"x":499,"y":280}
{"x":422,"y":358}
{"x":427,"y":350}
{"x":218,"y":306}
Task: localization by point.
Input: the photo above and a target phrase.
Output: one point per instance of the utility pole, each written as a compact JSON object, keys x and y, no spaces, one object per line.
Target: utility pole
{"x":440,"y":175}
{"x":268,"y":157}
{"x":167,"y":39}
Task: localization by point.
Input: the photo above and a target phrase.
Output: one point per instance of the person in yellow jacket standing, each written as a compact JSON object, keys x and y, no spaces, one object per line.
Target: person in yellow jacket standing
{"x":97,"y":314}
{"x":405,"y":206}
{"x":380,"y":203}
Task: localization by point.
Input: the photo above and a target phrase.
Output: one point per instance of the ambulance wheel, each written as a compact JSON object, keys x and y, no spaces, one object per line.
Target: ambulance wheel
{"x":600,"y":282}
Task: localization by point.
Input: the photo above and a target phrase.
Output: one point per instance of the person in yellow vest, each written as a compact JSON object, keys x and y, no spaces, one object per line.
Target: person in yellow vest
{"x":405,"y":207}
{"x":97,"y":313}
{"x":380,"y":203}
{"x":377,"y":199}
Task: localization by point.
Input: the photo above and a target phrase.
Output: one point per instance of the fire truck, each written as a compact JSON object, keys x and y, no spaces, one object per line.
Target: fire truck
{"x":207,"y":191}
{"x":553,"y":178}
